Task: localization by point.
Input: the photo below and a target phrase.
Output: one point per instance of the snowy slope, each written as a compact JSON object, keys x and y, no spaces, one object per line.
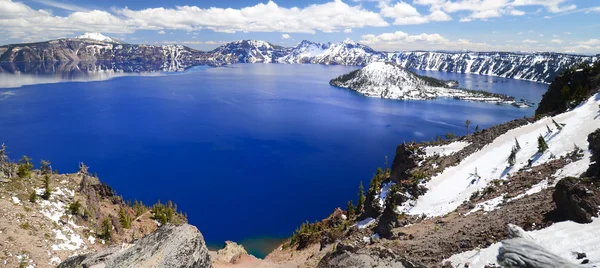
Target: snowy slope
{"x":563,"y":239}
{"x":448,"y":190}
{"x":97,"y":37}
{"x":247,"y":51}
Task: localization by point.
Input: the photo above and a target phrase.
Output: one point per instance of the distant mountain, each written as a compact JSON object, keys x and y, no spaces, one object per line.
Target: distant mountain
{"x":391,"y":81}
{"x":538,"y":67}
{"x":170,"y":57}
{"x":98,"y":37}
{"x":344,"y":53}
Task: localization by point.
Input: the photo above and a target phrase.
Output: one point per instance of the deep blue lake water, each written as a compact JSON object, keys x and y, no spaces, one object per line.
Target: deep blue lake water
{"x":248,"y":151}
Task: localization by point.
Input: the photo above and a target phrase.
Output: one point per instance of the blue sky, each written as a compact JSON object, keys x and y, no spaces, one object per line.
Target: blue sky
{"x":482,"y":25}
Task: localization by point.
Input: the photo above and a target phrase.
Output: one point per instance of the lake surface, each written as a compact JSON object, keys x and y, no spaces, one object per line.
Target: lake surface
{"x":248,"y":151}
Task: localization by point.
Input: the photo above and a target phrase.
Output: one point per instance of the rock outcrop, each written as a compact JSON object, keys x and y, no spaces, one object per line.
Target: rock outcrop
{"x":577,"y":199}
{"x":594,"y":146}
{"x":231,"y":253}
{"x":407,"y":158}
{"x":349,"y":256}
{"x":170,"y":246}
{"x":521,"y":251}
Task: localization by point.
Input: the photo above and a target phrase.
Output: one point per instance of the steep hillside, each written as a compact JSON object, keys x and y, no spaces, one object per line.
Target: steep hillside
{"x":45,"y":217}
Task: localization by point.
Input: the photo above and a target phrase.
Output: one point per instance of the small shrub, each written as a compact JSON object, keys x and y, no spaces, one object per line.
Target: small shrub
{"x":350,"y":210}
{"x":33,"y":197}
{"x":450,"y":135}
{"x":25,"y":167}
{"x":512,"y":158}
{"x":74,"y":208}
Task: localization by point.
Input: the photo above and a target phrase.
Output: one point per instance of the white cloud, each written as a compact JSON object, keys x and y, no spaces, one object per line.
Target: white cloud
{"x":488,"y":9}
{"x":590,"y":46}
{"x":61,"y":5}
{"x":556,"y":41}
{"x":19,"y":21}
{"x":541,"y":35}
{"x":328,"y":17}
{"x":348,"y":30}
{"x":529,"y":41}
{"x":397,"y":39}
{"x":161,"y":32}
{"x":285,"y":36}
{"x":405,"y":14}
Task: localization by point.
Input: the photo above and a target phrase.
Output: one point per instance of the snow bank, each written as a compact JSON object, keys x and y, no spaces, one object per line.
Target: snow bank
{"x":489,"y":205}
{"x":456,"y":184}
{"x":365,"y":223}
{"x":563,"y":238}
{"x":447,"y":149}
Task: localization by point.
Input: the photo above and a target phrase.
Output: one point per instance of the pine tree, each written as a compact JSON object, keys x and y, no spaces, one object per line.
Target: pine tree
{"x":517,"y":145}
{"x":558,"y":126}
{"x":476,"y":128}
{"x":351,"y":210}
{"x":512,"y":157}
{"x":361,"y":199}
{"x":25,"y":167}
{"x":106,"y":229}
{"x":124,"y":218}
{"x":542,"y":145}
{"x":45,"y":167}
{"x":33,"y":197}
{"x":549,"y":130}
{"x":47,"y":190}
{"x":467,"y":124}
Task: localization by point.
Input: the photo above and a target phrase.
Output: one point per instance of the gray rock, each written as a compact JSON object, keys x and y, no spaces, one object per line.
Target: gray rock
{"x":349,"y":256}
{"x":231,"y":253}
{"x":170,"y":246}
{"x":521,"y":251}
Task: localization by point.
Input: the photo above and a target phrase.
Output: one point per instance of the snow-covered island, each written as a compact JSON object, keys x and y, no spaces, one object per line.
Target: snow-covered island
{"x":391,"y":81}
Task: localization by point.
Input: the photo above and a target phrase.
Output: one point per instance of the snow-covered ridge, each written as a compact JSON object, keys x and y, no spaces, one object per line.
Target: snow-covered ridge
{"x":97,"y":37}
{"x":347,"y":52}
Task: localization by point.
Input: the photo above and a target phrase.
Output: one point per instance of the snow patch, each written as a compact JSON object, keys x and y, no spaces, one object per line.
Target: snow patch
{"x":489,"y":205}
{"x":365,"y":223}
{"x":16,"y":200}
{"x":444,"y":150}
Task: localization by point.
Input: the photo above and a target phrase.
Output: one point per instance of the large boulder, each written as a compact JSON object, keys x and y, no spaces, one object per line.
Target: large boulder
{"x":231,"y":253}
{"x":169,"y":246}
{"x":577,"y":199}
{"x":594,"y":146}
{"x":350,"y":256}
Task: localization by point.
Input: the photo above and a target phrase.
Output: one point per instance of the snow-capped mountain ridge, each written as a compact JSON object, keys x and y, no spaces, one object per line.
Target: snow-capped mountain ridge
{"x":97,"y":37}
{"x":538,"y":67}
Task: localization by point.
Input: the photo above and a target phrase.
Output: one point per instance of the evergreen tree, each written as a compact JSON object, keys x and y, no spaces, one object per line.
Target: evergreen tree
{"x":512,"y":157}
{"x":467,"y":124}
{"x":542,"y":145}
{"x":47,"y":190}
{"x":124,"y":218}
{"x":45,"y":167}
{"x":558,"y":126}
{"x":517,"y":145}
{"x":549,"y":130}
{"x":450,"y":135}
{"x":25,"y":167}
{"x":361,"y":199}
{"x":351,"y":210}
{"x":476,"y":128}
{"x":106,"y":229}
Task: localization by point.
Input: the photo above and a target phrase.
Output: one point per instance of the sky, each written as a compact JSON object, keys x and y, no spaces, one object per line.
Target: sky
{"x":571,"y":26}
